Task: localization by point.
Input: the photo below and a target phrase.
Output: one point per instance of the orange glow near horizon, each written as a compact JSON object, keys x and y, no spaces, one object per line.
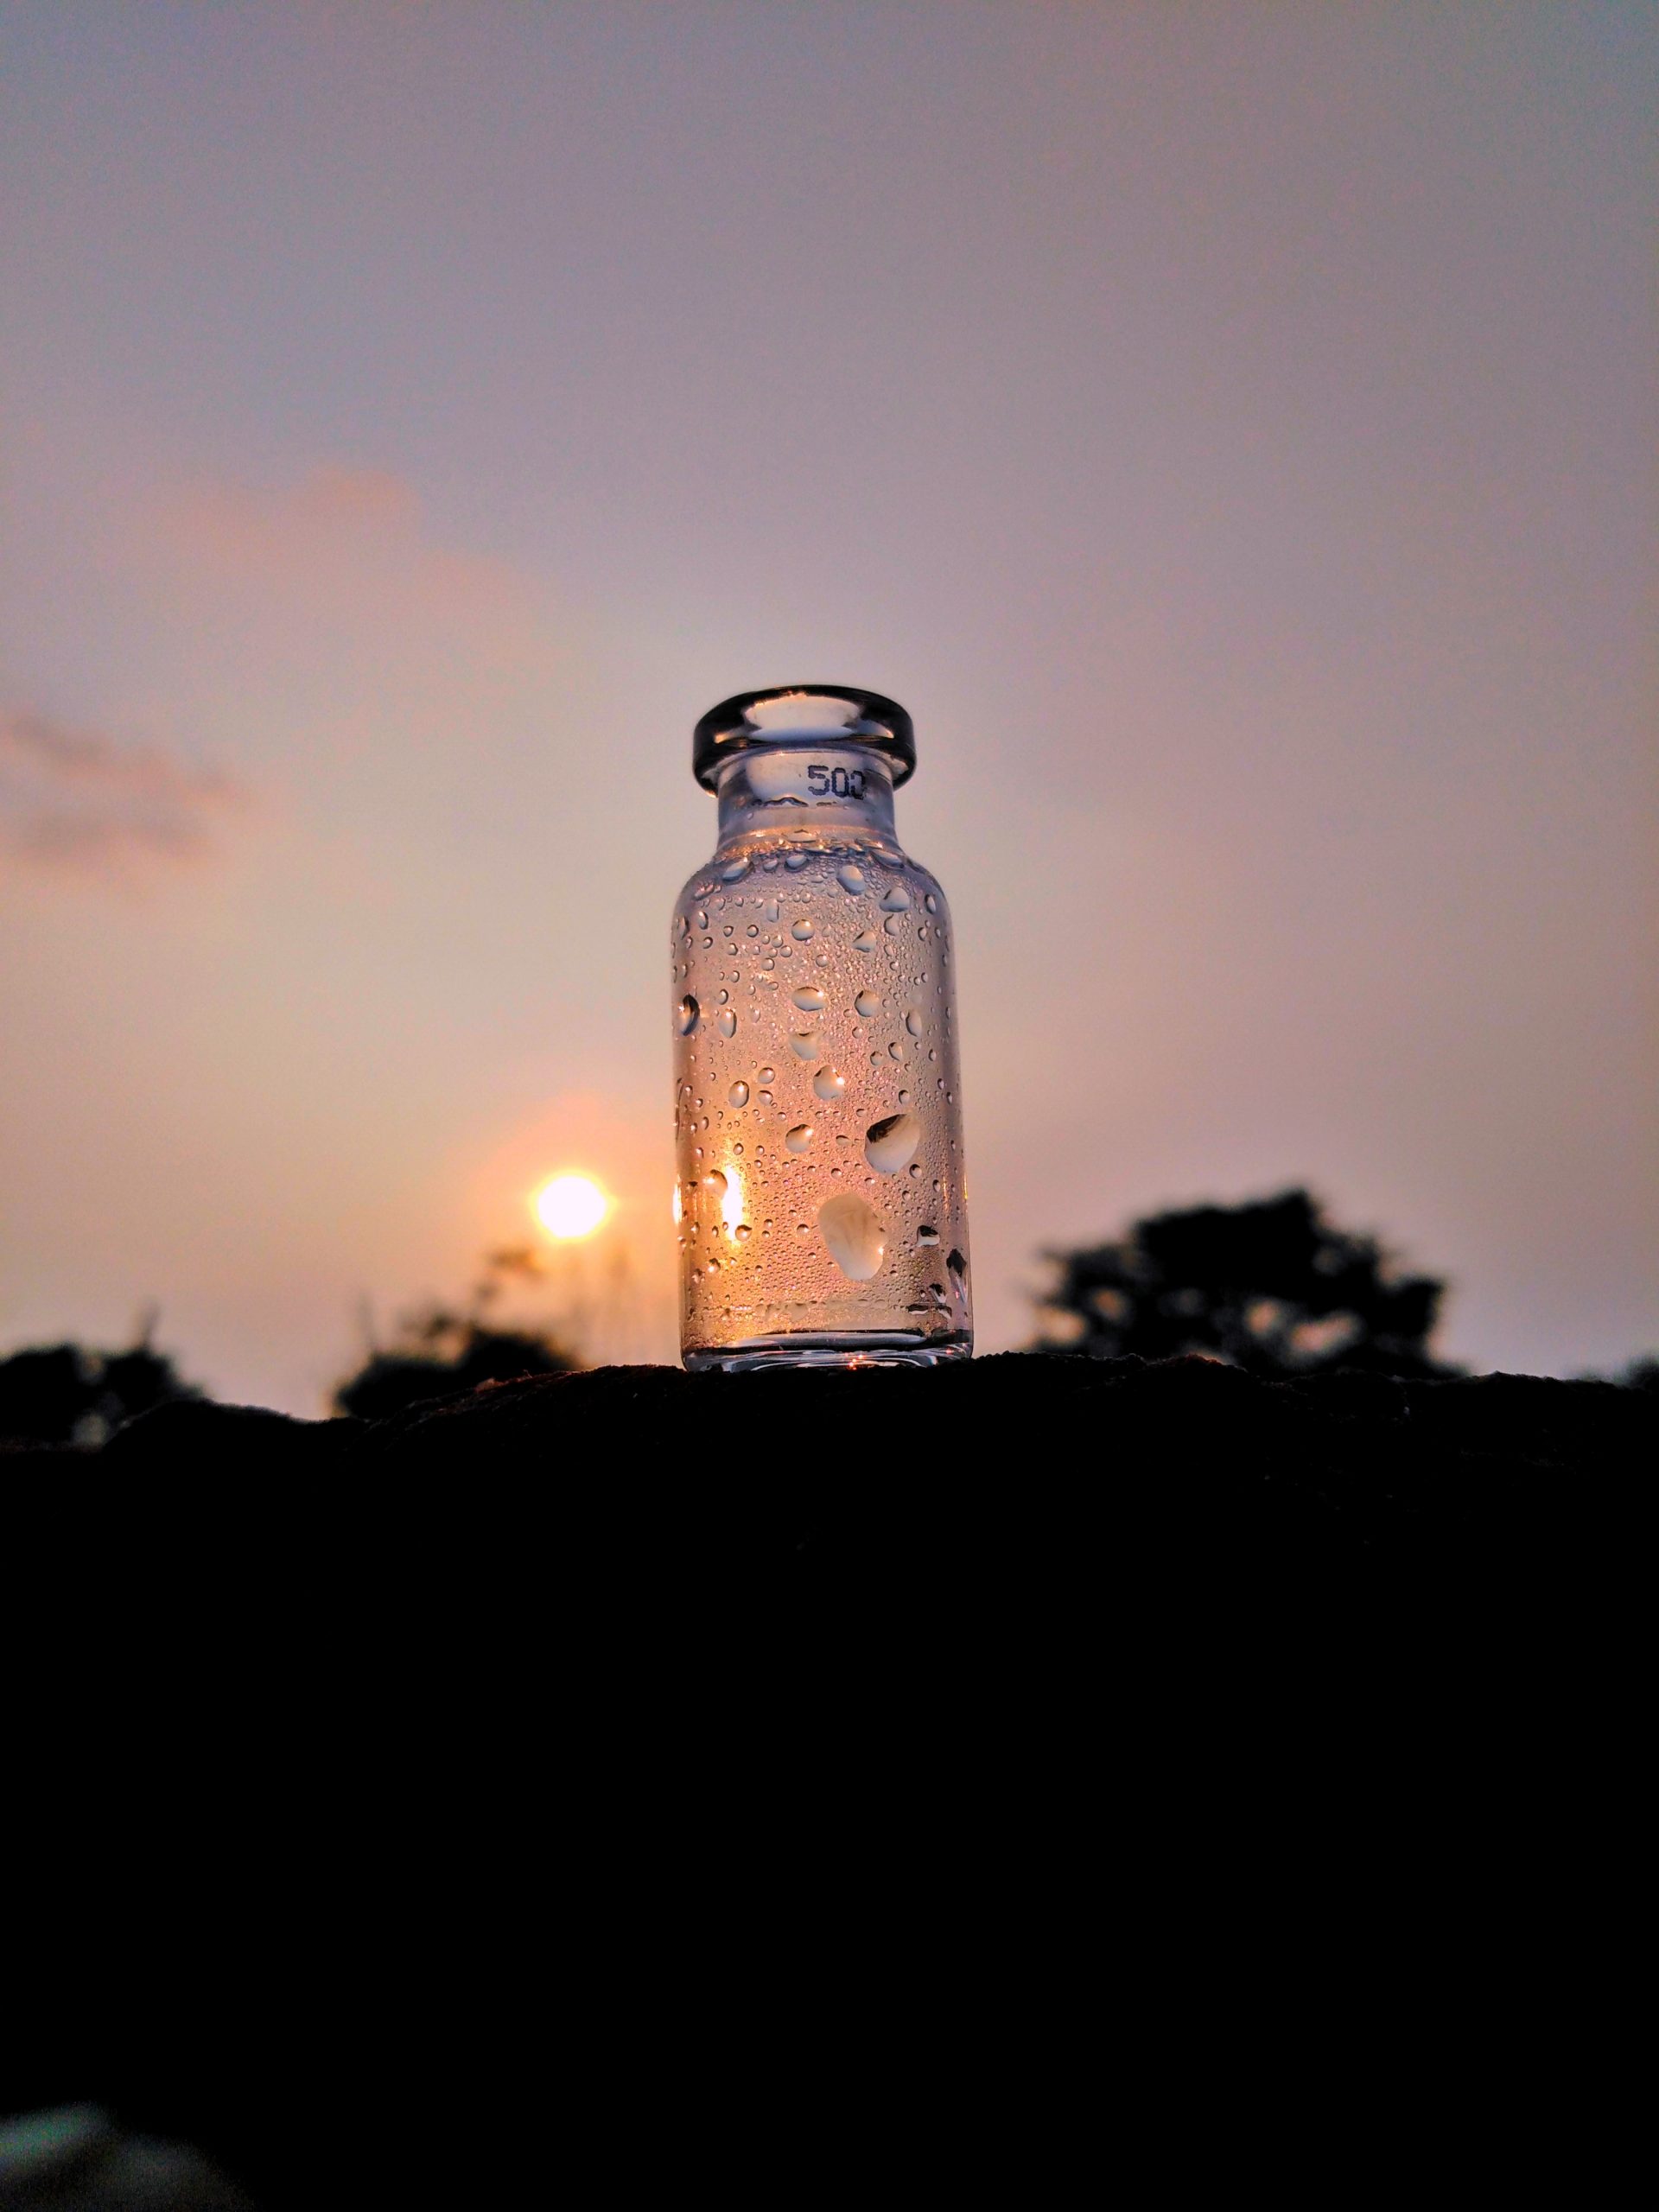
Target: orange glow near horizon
{"x":570,"y":1206}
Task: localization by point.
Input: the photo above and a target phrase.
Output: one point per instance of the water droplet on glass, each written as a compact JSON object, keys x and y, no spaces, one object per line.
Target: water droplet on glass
{"x":799,"y":1137}
{"x":828,"y":1085}
{"x":916,"y":1173}
{"x":851,"y":1228}
{"x":702,"y":918}
{"x":769,"y":911}
{"x":851,"y":879}
{"x":932,"y":903}
{"x":926,"y":1236}
{"x":891,"y":1144}
{"x":723,"y":996}
{"x":894,"y":924}
{"x":768,"y":1075}
{"x":734,"y":870}
{"x":801,"y":931}
{"x":896,"y":900}
{"x":742,"y":1232}
{"x":797,"y":859}
{"x":714,"y":1182}
{"x":913,"y":1023}
{"x":810,"y":999}
{"x":685,"y":1019}
{"x":738,"y":1095}
{"x":865,"y":941}
{"x":726,"y":1022}
{"x":754,"y":929}
{"x":806,"y":1046}
{"x":867,"y":1003}
{"x":958,"y":1268}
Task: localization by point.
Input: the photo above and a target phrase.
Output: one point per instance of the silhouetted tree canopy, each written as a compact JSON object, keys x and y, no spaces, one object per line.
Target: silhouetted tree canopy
{"x":68,"y":1394}
{"x":440,"y":1353}
{"x":1270,"y":1286}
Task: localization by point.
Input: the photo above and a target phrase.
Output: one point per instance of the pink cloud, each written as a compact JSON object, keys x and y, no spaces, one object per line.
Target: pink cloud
{"x":76,"y":801}
{"x":348,"y":548}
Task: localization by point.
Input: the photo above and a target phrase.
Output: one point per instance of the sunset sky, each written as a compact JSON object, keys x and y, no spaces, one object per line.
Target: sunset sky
{"x":1227,"y":427}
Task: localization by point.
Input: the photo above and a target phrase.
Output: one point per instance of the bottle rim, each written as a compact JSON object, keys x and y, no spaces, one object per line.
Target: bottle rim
{"x":874,"y":719}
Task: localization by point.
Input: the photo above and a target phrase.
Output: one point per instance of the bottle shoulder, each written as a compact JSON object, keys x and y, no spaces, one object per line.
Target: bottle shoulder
{"x":804,"y":860}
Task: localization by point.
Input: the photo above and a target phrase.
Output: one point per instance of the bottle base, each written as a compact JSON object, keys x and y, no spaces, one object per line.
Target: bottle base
{"x":828,"y":1348}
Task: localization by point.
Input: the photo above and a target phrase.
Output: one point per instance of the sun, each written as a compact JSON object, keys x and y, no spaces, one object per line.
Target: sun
{"x":571,"y":1205}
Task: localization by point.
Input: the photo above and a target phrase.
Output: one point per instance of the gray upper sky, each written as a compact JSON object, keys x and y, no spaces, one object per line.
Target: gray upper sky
{"x":1227,"y":427}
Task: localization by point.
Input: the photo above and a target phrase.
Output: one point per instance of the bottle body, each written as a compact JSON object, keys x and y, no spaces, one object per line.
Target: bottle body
{"x":819,"y":1194}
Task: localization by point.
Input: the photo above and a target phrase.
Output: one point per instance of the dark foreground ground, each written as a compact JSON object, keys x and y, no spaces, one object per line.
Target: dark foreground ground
{"x":631,"y":1766}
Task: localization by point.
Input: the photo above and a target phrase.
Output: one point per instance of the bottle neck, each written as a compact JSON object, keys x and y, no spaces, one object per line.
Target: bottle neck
{"x":840,"y":789}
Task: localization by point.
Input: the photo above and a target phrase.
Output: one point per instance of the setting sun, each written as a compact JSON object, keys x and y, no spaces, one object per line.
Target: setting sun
{"x":571,"y":1205}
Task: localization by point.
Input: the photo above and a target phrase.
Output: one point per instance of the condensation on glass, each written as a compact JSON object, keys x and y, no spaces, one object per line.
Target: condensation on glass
{"x":818,"y":1200}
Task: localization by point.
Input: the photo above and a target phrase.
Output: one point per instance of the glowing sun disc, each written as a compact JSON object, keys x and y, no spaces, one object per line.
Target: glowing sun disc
{"x":571,"y":1205}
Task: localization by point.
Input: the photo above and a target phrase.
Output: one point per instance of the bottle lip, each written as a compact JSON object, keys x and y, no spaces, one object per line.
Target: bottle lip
{"x":871,"y":719}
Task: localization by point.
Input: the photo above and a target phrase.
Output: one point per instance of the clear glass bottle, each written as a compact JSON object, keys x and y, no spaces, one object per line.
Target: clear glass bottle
{"x":817,"y":1122}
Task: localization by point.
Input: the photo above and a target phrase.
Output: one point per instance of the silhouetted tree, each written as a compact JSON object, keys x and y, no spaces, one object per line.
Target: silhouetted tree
{"x":68,"y":1394}
{"x":391,"y":1381}
{"x":1269,"y":1286}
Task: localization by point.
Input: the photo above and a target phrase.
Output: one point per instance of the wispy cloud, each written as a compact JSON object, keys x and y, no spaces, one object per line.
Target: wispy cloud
{"x":76,"y":801}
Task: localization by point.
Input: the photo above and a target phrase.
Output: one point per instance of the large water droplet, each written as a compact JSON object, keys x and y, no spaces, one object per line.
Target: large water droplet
{"x":799,"y":1137}
{"x":768,"y":1075}
{"x":867,"y":1003}
{"x":932,"y":903}
{"x":850,"y":877}
{"x":702,"y":918}
{"x":726,"y":1022}
{"x":828,"y":1085}
{"x":810,"y":999}
{"x":742,"y":1232}
{"x":895,"y":900}
{"x":806,"y":1046}
{"x":734,"y":870}
{"x":926,"y":1236}
{"x":715,"y":1184}
{"x":958,"y":1268}
{"x":685,"y":1016}
{"x":801,"y":931}
{"x":913,"y":1023}
{"x":865,"y":941}
{"x":738,"y":1095}
{"x":796,"y":860}
{"x":769,"y":911}
{"x":851,"y":1227}
{"x":891,"y":1144}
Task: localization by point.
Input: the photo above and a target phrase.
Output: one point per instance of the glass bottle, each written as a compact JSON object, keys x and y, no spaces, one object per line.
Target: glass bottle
{"x":819,"y":1193}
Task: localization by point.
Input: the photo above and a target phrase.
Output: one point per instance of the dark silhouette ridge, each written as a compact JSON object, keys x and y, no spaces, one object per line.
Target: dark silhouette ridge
{"x":389,"y":1786}
{"x":1269,"y":1286}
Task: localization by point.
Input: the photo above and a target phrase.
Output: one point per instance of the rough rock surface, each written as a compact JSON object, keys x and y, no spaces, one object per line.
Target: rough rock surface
{"x":380,"y":1792}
